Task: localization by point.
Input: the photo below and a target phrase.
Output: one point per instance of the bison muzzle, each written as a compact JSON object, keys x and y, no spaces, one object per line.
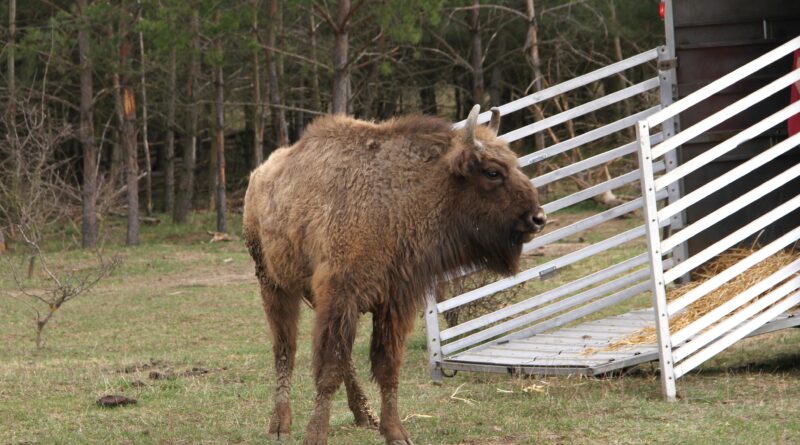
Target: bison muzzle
{"x":366,"y":217}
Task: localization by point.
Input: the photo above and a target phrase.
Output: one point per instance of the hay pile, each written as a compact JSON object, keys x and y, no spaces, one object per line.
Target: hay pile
{"x":713,"y":299}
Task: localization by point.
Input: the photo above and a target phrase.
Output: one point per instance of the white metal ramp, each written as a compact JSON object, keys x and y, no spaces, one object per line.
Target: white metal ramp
{"x":522,"y":330}
{"x":542,"y":334}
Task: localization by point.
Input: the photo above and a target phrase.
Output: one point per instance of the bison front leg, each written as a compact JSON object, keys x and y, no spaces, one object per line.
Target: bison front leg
{"x":334,"y":333}
{"x":386,"y":353}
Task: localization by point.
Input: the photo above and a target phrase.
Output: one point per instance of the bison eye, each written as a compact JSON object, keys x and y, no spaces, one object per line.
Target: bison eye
{"x":492,"y":174}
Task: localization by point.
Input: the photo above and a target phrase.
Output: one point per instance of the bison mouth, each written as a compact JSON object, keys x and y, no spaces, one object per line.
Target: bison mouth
{"x":519,"y":238}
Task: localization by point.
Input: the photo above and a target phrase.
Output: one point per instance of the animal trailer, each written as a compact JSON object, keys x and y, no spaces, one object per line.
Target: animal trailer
{"x":728,"y":178}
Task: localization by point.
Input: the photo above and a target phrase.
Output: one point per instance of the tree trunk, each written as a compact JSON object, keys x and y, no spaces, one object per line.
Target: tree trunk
{"x":427,"y":96}
{"x":341,"y":72}
{"x":536,"y":62}
{"x":11,"y":78}
{"x":89,"y":217}
{"x":183,"y":202}
{"x":477,"y":54}
{"x":625,"y":105}
{"x":128,"y":135}
{"x":169,"y":165}
{"x":11,"y":74}
{"x":219,"y":136}
{"x":278,"y":113}
{"x":316,"y":101}
{"x":258,"y":112}
{"x":148,"y":179}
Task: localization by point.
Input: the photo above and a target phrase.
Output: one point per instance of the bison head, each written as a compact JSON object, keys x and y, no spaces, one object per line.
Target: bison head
{"x":498,"y":207}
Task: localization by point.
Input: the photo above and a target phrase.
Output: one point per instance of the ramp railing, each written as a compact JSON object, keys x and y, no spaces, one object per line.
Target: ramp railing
{"x":685,"y":349}
{"x":591,"y":290}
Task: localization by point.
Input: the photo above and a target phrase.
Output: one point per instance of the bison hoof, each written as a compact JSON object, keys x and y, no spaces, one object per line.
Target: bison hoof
{"x":366,"y":419}
{"x":280,"y":427}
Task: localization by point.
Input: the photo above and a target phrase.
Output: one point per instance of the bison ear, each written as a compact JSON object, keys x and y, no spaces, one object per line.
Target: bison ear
{"x":463,"y":160}
{"x":494,"y":124}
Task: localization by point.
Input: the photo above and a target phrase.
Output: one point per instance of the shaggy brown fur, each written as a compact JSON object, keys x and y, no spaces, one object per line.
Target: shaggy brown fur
{"x":362,"y":217}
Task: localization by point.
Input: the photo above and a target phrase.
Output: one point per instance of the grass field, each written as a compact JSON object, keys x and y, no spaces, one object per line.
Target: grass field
{"x":179,"y":303}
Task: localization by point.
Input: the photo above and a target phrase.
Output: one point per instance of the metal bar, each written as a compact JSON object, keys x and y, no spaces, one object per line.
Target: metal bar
{"x":726,"y":113}
{"x":724,"y":82}
{"x":728,"y":241}
{"x":432,"y":330}
{"x":587,"y":163}
{"x":581,"y":312}
{"x":597,"y":189}
{"x":669,"y":93}
{"x":730,"y":208}
{"x":546,"y":311}
{"x":734,"y":320}
{"x":585,"y":138}
{"x":656,"y":284}
{"x":727,"y":307}
{"x":589,"y":222}
{"x":580,"y":110}
{"x":538,"y":300}
{"x":737,"y":334}
{"x":533,"y":272}
{"x":723,"y":277}
{"x":726,"y":178}
{"x":569,"y":85}
{"x":726,"y":146}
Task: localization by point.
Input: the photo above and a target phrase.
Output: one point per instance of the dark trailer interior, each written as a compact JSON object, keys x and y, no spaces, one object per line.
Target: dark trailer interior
{"x":711,"y":38}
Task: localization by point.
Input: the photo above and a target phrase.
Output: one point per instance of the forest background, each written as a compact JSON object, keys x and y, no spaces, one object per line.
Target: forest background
{"x":161,"y":107}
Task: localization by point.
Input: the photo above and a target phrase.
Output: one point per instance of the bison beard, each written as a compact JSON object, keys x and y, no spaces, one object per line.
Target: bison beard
{"x":362,"y":217}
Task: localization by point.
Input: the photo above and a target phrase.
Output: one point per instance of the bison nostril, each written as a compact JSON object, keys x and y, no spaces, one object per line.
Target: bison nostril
{"x":540,"y":218}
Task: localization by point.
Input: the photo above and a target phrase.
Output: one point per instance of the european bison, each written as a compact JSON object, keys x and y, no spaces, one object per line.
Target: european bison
{"x":362,"y":217}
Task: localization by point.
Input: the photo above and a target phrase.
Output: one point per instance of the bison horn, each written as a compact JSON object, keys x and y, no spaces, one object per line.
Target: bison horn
{"x":469,"y":126}
{"x":494,"y":124}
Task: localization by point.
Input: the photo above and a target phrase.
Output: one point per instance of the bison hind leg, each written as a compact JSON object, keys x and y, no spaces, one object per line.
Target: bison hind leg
{"x":357,"y":400}
{"x":282,"y":311}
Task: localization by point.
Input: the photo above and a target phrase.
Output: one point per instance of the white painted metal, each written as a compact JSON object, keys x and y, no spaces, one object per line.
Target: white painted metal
{"x":726,"y":113}
{"x":657,"y":284}
{"x":564,"y":87}
{"x":544,"y":312}
{"x":724,"y":82}
{"x":575,"y":314}
{"x":432,"y":330}
{"x":588,"y":223}
{"x":580,"y":110}
{"x":730,"y":208}
{"x":728,"y":145}
{"x":668,"y":90}
{"x":726,"y":178}
{"x":723,"y":277}
{"x":739,"y":235}
{"x":585,"y":138}
{"x":734,"y":303}
{"x":602,"y":158}
{"x":598,"y":189}
{"x":735,"y":319}
{"x":737,"y":334}
{"x":545,"y":297}
{"x":535,"y":272}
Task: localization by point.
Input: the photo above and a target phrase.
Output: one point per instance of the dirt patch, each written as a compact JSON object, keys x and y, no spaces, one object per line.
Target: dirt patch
{"x":557,"y":249}
{"x":508,"y":440}
{"x":113,"y":401}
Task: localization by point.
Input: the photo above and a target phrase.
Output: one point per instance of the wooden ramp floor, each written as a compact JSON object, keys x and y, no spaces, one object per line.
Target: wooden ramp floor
{"x":577,"y":350}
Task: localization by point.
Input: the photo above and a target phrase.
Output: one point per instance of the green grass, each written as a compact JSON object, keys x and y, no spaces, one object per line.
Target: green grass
{"x":185,"y":303}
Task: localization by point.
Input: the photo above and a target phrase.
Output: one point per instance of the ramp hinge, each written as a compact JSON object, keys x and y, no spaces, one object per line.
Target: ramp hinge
{"x":547,"y":273}
{"x":667,"y":64}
